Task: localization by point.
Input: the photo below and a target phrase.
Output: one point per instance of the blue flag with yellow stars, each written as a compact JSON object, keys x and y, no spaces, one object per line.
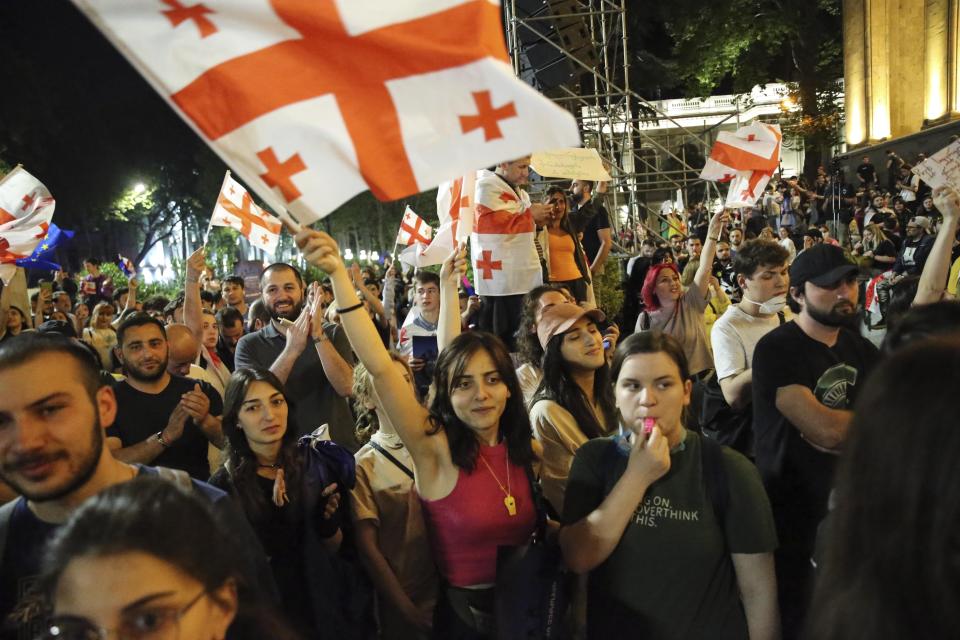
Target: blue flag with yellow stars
{"x":40,"y":258}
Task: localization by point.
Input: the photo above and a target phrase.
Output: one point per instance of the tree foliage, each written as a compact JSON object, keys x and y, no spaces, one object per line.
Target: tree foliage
{"x":747,"y":42}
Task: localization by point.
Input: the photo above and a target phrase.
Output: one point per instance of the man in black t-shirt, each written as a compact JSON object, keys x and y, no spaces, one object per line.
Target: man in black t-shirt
{"x":866,"y":173}
{"x":52,"y":413}
{"x":805,"y":375}
{"x":594,"y":223}
{"x":161,"y":418}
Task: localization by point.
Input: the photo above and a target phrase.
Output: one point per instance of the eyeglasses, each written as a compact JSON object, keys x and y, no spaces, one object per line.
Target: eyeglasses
{"x":154,"y":623}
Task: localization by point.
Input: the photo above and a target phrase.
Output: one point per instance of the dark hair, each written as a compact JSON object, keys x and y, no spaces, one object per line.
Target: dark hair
{"x":237,"y":280}
{"x":528,"y":344}
{"x":139,"y":319}
{"x":514,"y":423}
{"x":25,"y":347}
{"x":554,"y":190}
{"x":209,"y":296}
{"x":257,"y":311}
{"x":589,"y":184}
{"x":94,"y":261}
{"x":754,"y":254}
{"x":229,"y":316}
{"x":427,"y":277}
{"x":154,"y":516}
{"x":242,"y":463}
{"x":280,"y":266}
{"x":59,"y":327}
{"x":649,"y":342}
{"x":120,"y":292}
{"x":558,"y":385}
{"x":173,"y":305}
{"x":156,"y":303}
{"x":901,"y":299}
{"x":900,"y":457}
{"x":921,"y":322}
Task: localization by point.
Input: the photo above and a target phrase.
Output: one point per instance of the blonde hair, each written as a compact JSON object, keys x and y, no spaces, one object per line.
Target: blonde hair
{"x":95,"y":314}
{"x":363,"y":398}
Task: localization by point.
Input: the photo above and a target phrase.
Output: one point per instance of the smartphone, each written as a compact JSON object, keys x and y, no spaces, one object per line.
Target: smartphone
{"x":48,"y":287}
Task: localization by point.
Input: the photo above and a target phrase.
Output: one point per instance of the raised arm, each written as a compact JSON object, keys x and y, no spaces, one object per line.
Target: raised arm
{"x":448,"y":327}
{"x":399,"y":399}
{"x":192,"y":306}
{"x":933,"y":278}
{"x":373,"y":300}
{"x":701,"y":280}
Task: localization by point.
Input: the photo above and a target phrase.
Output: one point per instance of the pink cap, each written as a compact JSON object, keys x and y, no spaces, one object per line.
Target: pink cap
{"x":558,"y":318}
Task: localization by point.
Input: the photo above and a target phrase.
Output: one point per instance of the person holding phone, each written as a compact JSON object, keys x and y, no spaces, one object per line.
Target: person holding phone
{"x":675,"y":531}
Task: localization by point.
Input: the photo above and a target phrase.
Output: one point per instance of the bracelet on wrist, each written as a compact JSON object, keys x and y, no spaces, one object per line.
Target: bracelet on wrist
{"x":349,"y":309}
{"x":717,"y":239}
{"x":159,"y":438}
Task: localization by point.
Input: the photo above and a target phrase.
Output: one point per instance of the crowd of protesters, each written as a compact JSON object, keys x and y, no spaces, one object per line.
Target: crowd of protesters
{"x":385,"y":454}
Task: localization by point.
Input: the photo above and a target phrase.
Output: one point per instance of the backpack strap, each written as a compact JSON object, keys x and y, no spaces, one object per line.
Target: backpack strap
{"x":178,"y":477}
{"x":391,"y":458}
{"x":6,"y":516}
{"x":781,"y":317}
{"x":715,"y":478}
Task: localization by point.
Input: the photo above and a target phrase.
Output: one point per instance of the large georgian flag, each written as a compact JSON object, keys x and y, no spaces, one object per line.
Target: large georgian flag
{"x":26,"y":209}
{"x":235,"y":209}
{"x":747,"y":158}
{"x":313,"y":101}
{"x":502,"y":249}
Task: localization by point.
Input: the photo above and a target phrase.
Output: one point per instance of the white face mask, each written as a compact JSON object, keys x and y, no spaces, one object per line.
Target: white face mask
{"x":771,"y":306}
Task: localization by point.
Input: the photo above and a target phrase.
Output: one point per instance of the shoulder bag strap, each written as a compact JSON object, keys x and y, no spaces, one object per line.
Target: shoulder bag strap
{"x":715,"y":477}
{"x":391,"y":458}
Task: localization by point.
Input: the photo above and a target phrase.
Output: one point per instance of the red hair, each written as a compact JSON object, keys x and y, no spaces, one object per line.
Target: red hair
{"x":648,"y":292}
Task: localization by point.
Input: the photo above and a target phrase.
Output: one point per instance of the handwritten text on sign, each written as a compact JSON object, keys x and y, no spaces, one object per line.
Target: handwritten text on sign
{"x":942,"y":168}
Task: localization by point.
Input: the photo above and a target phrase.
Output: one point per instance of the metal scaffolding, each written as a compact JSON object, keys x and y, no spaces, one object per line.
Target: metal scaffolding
{"x":589,"y":40}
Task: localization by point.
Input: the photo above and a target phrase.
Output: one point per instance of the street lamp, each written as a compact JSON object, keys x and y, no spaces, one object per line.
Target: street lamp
{"x":139,"y":188}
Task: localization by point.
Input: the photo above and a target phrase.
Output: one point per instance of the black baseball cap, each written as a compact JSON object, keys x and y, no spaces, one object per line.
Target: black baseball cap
{"x":823,"y":265}
{"x":814,"y":233}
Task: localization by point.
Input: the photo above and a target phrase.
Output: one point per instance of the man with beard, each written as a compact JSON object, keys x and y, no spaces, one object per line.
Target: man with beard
{"x":805,"y":375}
{"x":313,"y":361}
{"x":52,"y":413}
{"x":161,"y":418}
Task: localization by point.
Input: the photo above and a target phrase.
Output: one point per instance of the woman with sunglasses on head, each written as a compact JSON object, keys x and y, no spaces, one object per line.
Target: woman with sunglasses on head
{"x":166,"y":569}
{"x":574,"y":402}
{"x":563,"y":259}
{"x":292,"y":498}
{"x":471,"y":449}
{"x":675,"y":531}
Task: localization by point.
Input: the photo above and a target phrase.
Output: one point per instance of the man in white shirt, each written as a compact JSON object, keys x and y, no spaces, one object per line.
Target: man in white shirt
{"x":762,"y":274}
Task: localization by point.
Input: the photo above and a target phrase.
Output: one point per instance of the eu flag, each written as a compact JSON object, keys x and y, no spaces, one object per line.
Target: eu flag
{"x":40,"y":258}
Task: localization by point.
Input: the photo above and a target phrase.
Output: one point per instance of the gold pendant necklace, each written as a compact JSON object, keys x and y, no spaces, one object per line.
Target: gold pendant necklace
{"x":508,"y":501}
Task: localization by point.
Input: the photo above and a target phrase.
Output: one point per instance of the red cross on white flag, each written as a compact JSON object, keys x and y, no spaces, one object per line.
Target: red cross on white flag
{"x":235,"y":209}
{"x":748,"y":157}
{"x":313,"y":102}
{"x":413,"y":229}
{"x":26,"y":209}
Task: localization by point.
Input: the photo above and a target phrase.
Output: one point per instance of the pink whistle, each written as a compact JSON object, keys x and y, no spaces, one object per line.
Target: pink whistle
{"x":648,"y":424}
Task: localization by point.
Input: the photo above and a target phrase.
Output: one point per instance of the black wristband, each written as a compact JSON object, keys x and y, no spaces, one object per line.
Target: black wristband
{"x":349,"y":309}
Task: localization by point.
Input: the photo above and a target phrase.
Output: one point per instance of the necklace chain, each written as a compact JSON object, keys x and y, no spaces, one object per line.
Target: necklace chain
{"x":506,"y":491}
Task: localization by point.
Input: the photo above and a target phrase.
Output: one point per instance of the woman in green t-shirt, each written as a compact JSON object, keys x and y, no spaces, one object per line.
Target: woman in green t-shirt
{"x":676,"y":532}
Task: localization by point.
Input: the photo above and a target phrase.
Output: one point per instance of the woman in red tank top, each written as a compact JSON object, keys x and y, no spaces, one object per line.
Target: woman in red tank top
{"x":471,"y":449}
